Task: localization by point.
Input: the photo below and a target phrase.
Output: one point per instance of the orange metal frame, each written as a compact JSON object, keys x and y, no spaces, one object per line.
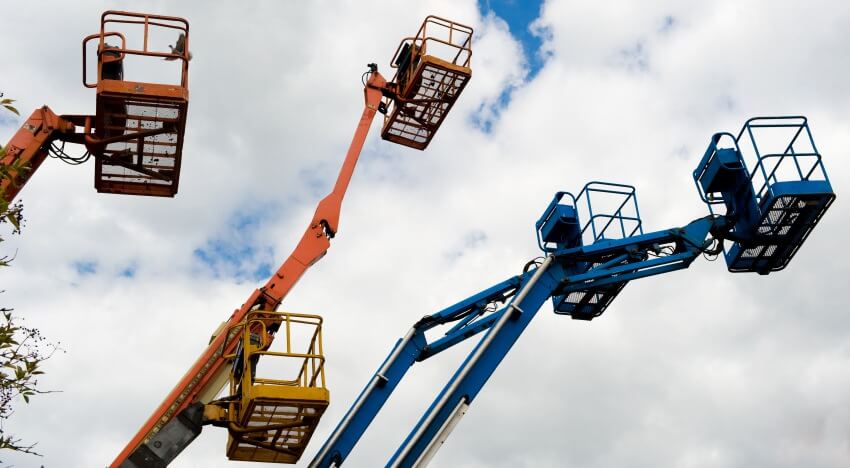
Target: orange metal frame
{"x":420,"y":42}
{"x":205,"y":377}
{"x":29,"y":147}
{"x":432,"y":69}
{"x":115,"y":17}
{"x":143,"y":122}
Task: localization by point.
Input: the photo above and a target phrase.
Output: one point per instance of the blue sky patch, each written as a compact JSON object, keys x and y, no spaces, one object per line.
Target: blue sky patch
{"x":318,"y":178}
{"x":235,"y":252}
{"x":129,"y":271}
{"x":634,"y":58}
{"x":519,"y":15}
{"x":667,"y":24}
{"x":471,"y":240}
{"x":85,"y":267}
{"x":7,"y":119}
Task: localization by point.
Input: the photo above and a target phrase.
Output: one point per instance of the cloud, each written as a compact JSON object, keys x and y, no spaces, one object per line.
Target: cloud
{"x":695,"y":368}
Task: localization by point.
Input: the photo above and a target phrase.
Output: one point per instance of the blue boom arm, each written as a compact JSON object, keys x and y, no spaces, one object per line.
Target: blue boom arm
{"x":764,"y":214}
{"x":621,"y":261}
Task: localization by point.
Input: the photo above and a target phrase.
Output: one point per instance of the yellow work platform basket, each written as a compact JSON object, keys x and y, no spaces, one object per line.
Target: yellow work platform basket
{"x":272,"y":420}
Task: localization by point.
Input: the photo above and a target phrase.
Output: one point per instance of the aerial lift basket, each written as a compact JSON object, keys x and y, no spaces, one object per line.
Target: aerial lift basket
{"x":272,"y":420}
{"x":139,"y":125}
{"x":610,"y":212}
{"x":432,"y":69}
{"x":774,"y":206}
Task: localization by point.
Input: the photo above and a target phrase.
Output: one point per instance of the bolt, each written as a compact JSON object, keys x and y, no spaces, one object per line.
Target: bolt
{"x":157,"y":444}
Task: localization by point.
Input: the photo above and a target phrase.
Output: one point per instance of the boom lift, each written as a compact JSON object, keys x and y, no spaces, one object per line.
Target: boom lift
{"x":136,"y":134}
{"x":764,"y":213}
{"x":273,"y":419}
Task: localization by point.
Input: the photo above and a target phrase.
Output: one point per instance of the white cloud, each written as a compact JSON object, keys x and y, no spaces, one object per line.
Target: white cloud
{"x":696,"y":368}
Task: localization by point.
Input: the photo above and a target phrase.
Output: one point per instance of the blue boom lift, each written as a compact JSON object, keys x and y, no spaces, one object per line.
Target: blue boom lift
{"x":760,"y":216}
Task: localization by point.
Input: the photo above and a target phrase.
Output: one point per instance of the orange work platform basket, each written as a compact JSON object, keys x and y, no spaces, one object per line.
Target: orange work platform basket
{"x":432,"y":69}
{"x":137,"y":132}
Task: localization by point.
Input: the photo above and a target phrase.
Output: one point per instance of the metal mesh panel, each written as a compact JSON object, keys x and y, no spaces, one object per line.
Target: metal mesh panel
{"x":144,"y":160}
{"x":285,"y":444}
{"x":589,"y":303}
{"x":785,"y":224}
{"x":147,"y":164}
{"x":414,"y":121}
{"x":752,"y":253}
{"x":273,"y":419}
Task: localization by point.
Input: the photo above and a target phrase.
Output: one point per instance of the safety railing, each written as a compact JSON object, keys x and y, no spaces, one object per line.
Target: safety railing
{"x":256,"y":333}
{"x":612,"y":211}
{"x":608,"y":211}
{"x":437,"y":37}
{"x":784,"y":151}
{"x":166,"y":30}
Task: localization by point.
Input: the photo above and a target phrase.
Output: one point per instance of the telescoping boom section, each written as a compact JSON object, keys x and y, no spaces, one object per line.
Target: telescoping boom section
{"x":271,"y":419}
{"x":593,"y":245}
{"x":136,"y":134}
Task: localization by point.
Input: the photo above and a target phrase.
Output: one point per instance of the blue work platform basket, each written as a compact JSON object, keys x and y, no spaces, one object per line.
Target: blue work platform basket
{"x":775,"y":205}
{"x":609,"y":212}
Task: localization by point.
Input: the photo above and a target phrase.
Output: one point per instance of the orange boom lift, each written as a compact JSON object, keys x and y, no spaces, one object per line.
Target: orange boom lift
{"x":136,"y":134}
{"x":272,"y":420}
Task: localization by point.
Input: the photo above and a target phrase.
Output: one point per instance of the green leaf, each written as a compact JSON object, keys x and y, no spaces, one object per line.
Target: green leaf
{"x":13,"y":220}
{"x":7,"y":103}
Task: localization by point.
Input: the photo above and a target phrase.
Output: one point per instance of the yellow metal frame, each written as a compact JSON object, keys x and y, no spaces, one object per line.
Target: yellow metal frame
{"x":272,"y":420}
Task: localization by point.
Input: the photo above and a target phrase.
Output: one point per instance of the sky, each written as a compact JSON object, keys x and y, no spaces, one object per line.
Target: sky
{"x":697,"y":368}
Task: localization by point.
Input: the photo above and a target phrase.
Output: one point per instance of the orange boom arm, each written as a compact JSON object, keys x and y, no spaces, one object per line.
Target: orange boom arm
{"x":209,"y":373}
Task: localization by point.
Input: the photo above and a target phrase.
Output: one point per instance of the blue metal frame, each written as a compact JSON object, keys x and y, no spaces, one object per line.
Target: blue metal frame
{"x":559,"y":224}
{"x":774,"y":206}
{"x":627,"y":193}
{"x":504,"y":320}
{"x":815,"y":171}
{"x":407,"y":351}
{"x":582,"y":276}
{"x":712,"y":157}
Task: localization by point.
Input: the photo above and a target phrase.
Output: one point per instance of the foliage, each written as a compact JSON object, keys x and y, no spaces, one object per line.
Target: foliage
{"x":7,"y":103}
{"x":14,"y":215}
{"x":11,"y":213}
{"x":22,"y":349}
